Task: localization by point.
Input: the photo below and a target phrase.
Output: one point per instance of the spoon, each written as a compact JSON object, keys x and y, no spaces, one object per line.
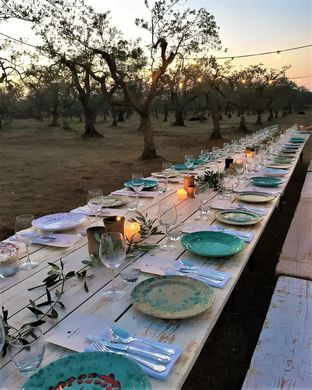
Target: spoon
{"x":125,"y":337}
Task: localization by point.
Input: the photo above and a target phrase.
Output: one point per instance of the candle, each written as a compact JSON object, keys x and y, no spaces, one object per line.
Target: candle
{"x":132,"y":231}
{"x":249,"y":154}
{"x":182,"y":194}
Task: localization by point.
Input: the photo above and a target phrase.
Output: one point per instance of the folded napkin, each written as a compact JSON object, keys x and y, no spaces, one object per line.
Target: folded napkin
{"x":212,"y":273}
{"x":256,"y":210}
{"x":52,"y":239}
{"x":103,"y":213}
{"x":159,"y":375}
{"x":200,"y":227}
{"x":127,"y":192}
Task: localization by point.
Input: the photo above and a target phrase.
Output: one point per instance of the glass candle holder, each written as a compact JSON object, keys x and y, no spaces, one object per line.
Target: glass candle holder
{"x":114,"y":224}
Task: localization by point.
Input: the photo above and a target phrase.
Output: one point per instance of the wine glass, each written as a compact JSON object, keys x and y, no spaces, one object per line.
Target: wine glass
{"x":22,"y":234}
{"x":167,"y":215}
{"x":166,"y":169}
{"x":112,"y":253}
{"x":189,"y":161}
{"x":204,"y":155}
{"x":137,"y":184}
{"x":94,"y":201}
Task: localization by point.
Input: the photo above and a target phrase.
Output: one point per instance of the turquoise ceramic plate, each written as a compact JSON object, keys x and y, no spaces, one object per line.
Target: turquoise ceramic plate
{"x":254,"y":197}
{"x":213,"y":244}
{"x":90,"y":370}
{"x":264,"y":181}
{"x":282,"y":160}
{"x":182,"y":167}
{"x":148,"y":183}
{"x":238,"y":217}
{"x":198,"y":161}
{"x":296,"y":140}
{"x":172,"y":297}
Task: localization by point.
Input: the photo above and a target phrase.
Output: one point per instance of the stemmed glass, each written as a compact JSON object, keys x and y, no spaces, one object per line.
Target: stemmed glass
{"x":112,"y":253}
{"x":94,"y":202}
{"x":189,"y":161}
{"x":137,"y":184}
{"x":166,"y":170}
{"x":204,"y":155}
{"x":22,"y":224}
{"x":167,"y":215}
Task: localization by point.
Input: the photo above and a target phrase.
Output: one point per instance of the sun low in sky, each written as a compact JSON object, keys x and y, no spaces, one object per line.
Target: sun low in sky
{"x":247,"y":27}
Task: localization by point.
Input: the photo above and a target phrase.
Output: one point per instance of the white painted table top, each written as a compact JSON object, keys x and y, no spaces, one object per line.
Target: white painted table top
{"x":191,"y":334}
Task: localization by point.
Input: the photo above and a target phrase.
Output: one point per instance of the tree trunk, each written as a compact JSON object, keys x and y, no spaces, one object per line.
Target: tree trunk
{"x":242,"y":124}
{"x":121,"y":115}
{"x":270,"y":117}
{"x":90,"y":130}
{"x":259,"y":119}
{"x":114,"y":117}
{"x":165,"y":114}
{"x":179,"y":121}
{"x":65,"y":125}
{"x":55,"y":116}
{"x":276,"y":113}
{"x":216,"y":132}
{"x":149,"y":151}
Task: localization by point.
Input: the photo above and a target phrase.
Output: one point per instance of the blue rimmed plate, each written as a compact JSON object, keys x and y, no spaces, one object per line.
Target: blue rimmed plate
{"x":90,"y":370}
{"x":172,"y":297}
{"x":182,"y":167}
{"x":212,"y":244}
{"x":264,"y":181}
{"x":275,"y":172}
{"x":58,"y":222}
{"x":238,"y":217}
{"x":148,"y":184}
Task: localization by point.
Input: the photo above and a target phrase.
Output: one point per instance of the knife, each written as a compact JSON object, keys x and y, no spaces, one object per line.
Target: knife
{"x":202,"y":274}
{"x":159,"y":357}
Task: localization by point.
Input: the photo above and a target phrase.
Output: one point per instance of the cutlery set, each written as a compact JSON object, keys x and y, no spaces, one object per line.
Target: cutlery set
{"x":156,"y":358}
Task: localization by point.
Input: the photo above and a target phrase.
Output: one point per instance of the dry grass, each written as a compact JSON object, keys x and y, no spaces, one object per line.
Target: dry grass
{"x":45,"y":169}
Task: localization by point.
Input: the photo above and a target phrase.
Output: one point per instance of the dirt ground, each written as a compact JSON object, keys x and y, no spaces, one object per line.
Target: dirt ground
{"x":45,"y":170}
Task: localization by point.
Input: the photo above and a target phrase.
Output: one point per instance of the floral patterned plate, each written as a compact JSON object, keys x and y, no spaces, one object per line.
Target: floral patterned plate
{"x":60,"y":221}
{"x":172,"y":297}
{"x":90,"y":370}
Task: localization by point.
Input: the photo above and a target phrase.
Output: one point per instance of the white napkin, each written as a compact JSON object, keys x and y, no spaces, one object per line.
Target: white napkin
{"x":105,"y":212}
{"x":52,"y":239}
{"x":205,"y":271}
{"x":127,"y":192}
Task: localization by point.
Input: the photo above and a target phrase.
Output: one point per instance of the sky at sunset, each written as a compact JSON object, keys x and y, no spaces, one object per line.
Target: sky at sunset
{"x":246,"y":27}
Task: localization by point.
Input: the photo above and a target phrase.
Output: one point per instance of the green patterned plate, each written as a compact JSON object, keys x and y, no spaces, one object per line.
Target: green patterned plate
{"x":213,"y":244}
{"x":238,"y":217}
{"x":90,"y":370}
{"x":172,"y":297}
{"x":265,"y":181}
{"x":254,"y":197}
{"x":110,"y":201}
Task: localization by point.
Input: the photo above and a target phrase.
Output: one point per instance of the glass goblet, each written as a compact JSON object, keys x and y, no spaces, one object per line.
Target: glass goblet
{"x":23,"y":223}
{"x":166,"y":170}
{"x":189,"y":161}
{"x":94,"y":201}
{"x":137,"y":184}
{"x":112,"y":253}
{"x":167,"y":215}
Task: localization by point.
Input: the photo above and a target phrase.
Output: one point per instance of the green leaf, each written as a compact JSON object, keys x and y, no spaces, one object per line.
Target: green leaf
{"x":48,"y":296}
{"x":37,"y":312}
{"x":45,"y":303}
{"x":35,"y":323}
{"x":70,"y":274}
{"x":54,"y":265}
{"x":54,"y":313}
{"x":32,"y":303}
{"x":57,"y":294}
{"x":50,"y":278}
{"x":61,"y":304}
{"x":86,"y":286}
{"x":62,"y":264}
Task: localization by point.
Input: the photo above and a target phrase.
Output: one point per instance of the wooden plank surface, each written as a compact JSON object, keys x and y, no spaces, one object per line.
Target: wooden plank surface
{"x":283,"y":356}
{"x":310,"y":167}
{"x":306,"y":192}
{"x":294,"y":268}
{"x":191,"y":333}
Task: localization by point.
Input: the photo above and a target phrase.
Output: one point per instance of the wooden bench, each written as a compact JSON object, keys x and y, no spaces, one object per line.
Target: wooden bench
{"x":310,"y":167}
{"x":283,"y":355}
{"x":306,"y":192}
{"x":296,"y":257}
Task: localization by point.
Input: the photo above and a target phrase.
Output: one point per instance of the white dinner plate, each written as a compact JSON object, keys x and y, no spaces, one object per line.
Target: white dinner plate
{"x":58,"y":222}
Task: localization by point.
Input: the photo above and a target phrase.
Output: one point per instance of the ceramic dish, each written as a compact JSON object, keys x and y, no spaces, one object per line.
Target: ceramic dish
{"x":275,"y":172}
{"x":111,"y":201}
{"x":297,"y":140}
{"x":90,"y":370}
{"x":238,"y":217}
{"x":212,"y":244}
{"x":182,"y":167}
{"x":148,"y":184}
{"x":172,"y":297}
{"x":60,"y":221}
{"x":162,"y":176}
{"x":254,"y":197}
{"x":282,"y":160}
{"x":264,"y":181}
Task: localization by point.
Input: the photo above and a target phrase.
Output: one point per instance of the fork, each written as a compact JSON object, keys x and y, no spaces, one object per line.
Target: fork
{"x":102,"y":348}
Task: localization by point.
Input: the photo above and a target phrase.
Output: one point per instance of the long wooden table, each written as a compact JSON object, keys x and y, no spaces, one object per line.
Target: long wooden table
{"x":191,"y":334}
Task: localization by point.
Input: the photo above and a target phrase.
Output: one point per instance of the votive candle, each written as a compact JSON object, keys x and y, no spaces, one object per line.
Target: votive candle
{"x":132,"y":231}
{"x":182,"y":194}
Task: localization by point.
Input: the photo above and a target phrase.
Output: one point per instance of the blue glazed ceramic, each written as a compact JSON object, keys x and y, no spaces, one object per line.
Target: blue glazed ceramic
{"x":90,"y":370}
{"x":264,"y":181}
{"x":148,"y":184}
